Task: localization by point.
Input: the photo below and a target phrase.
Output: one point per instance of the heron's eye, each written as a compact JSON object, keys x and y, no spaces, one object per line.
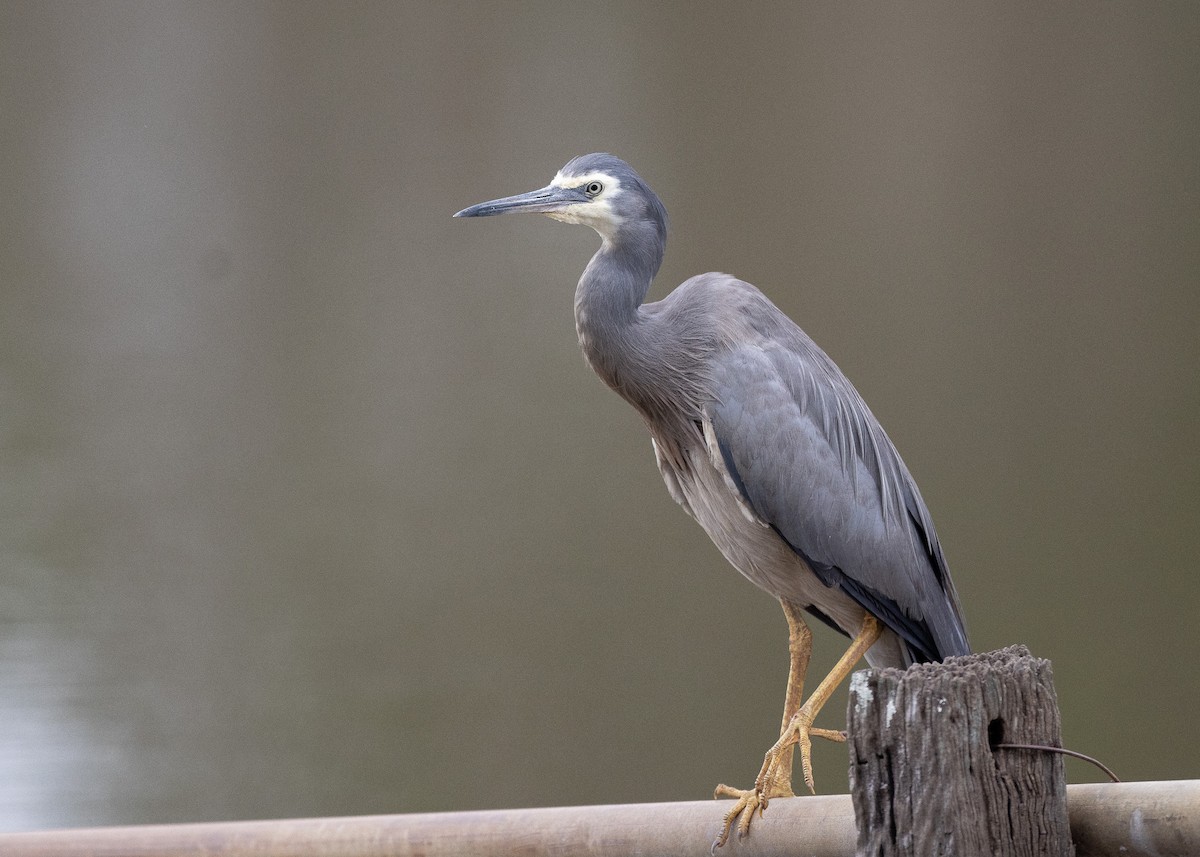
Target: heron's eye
{"x":593,"y":188}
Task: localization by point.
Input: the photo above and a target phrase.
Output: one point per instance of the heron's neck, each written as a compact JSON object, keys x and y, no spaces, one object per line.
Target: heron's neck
{"x":611,"y":290}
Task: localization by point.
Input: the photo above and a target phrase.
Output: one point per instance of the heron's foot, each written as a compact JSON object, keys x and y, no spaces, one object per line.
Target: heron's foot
{"x":775,"y":778}
{"x":748,"y":802}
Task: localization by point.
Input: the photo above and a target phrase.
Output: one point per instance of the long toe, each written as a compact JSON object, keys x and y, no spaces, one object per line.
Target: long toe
{"x":747,"y":803}
{"x":774,"y":780}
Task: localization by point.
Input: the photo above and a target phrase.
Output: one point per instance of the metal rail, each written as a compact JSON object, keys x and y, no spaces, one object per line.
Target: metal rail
{"x":1128,"y":819}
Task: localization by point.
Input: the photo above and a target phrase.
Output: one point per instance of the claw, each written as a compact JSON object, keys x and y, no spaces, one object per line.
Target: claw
{"x":748,"y":801}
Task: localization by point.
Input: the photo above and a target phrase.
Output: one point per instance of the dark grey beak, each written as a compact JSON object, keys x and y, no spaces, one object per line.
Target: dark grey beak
{"x":535,"y":202}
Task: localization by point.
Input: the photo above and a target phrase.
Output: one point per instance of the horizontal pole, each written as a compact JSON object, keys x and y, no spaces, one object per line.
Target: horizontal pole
{"x":666,"y":829}
{"x":1128,"y":819}
{"x":1148,"y":819}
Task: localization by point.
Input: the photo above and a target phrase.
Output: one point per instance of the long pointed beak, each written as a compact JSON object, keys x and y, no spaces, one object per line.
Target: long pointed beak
{"x":547,"y":199}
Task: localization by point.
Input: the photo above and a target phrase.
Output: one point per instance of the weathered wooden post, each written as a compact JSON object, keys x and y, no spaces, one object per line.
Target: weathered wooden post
{"x":926,"y":776}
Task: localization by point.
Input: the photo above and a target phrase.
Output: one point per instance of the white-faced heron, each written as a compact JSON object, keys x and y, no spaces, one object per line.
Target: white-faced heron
{"x":764,"y":441}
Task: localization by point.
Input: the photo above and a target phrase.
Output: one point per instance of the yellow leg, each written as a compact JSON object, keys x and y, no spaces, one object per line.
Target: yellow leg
{"x":775,"y":777}
{"x":800,"y":729}
{"x":799,"y":652}
{"x":779,"y":778}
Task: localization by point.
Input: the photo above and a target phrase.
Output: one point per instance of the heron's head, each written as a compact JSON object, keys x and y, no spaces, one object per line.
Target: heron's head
{"x":598,"y":190}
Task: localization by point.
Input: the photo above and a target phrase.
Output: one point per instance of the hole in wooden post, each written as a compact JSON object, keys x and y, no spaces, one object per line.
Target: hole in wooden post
{"x":995,"y":733}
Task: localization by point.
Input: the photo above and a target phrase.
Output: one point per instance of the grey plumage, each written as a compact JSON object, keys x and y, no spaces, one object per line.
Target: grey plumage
{"x":757,"y":433}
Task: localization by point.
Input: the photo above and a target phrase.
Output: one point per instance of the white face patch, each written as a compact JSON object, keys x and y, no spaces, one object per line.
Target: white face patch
{"x":598,"y":212}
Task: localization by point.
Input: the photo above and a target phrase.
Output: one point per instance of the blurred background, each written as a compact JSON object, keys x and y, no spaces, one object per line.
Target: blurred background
{"x":309,"y":505}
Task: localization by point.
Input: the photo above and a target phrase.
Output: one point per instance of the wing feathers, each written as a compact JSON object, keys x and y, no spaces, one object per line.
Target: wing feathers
{"x":807,"y":456}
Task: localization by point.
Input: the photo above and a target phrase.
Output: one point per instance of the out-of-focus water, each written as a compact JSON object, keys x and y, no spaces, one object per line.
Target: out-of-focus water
{"x":308,"y":505}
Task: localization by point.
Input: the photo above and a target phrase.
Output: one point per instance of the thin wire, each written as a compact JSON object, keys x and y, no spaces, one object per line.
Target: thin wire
{"x":1065,"y":752}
